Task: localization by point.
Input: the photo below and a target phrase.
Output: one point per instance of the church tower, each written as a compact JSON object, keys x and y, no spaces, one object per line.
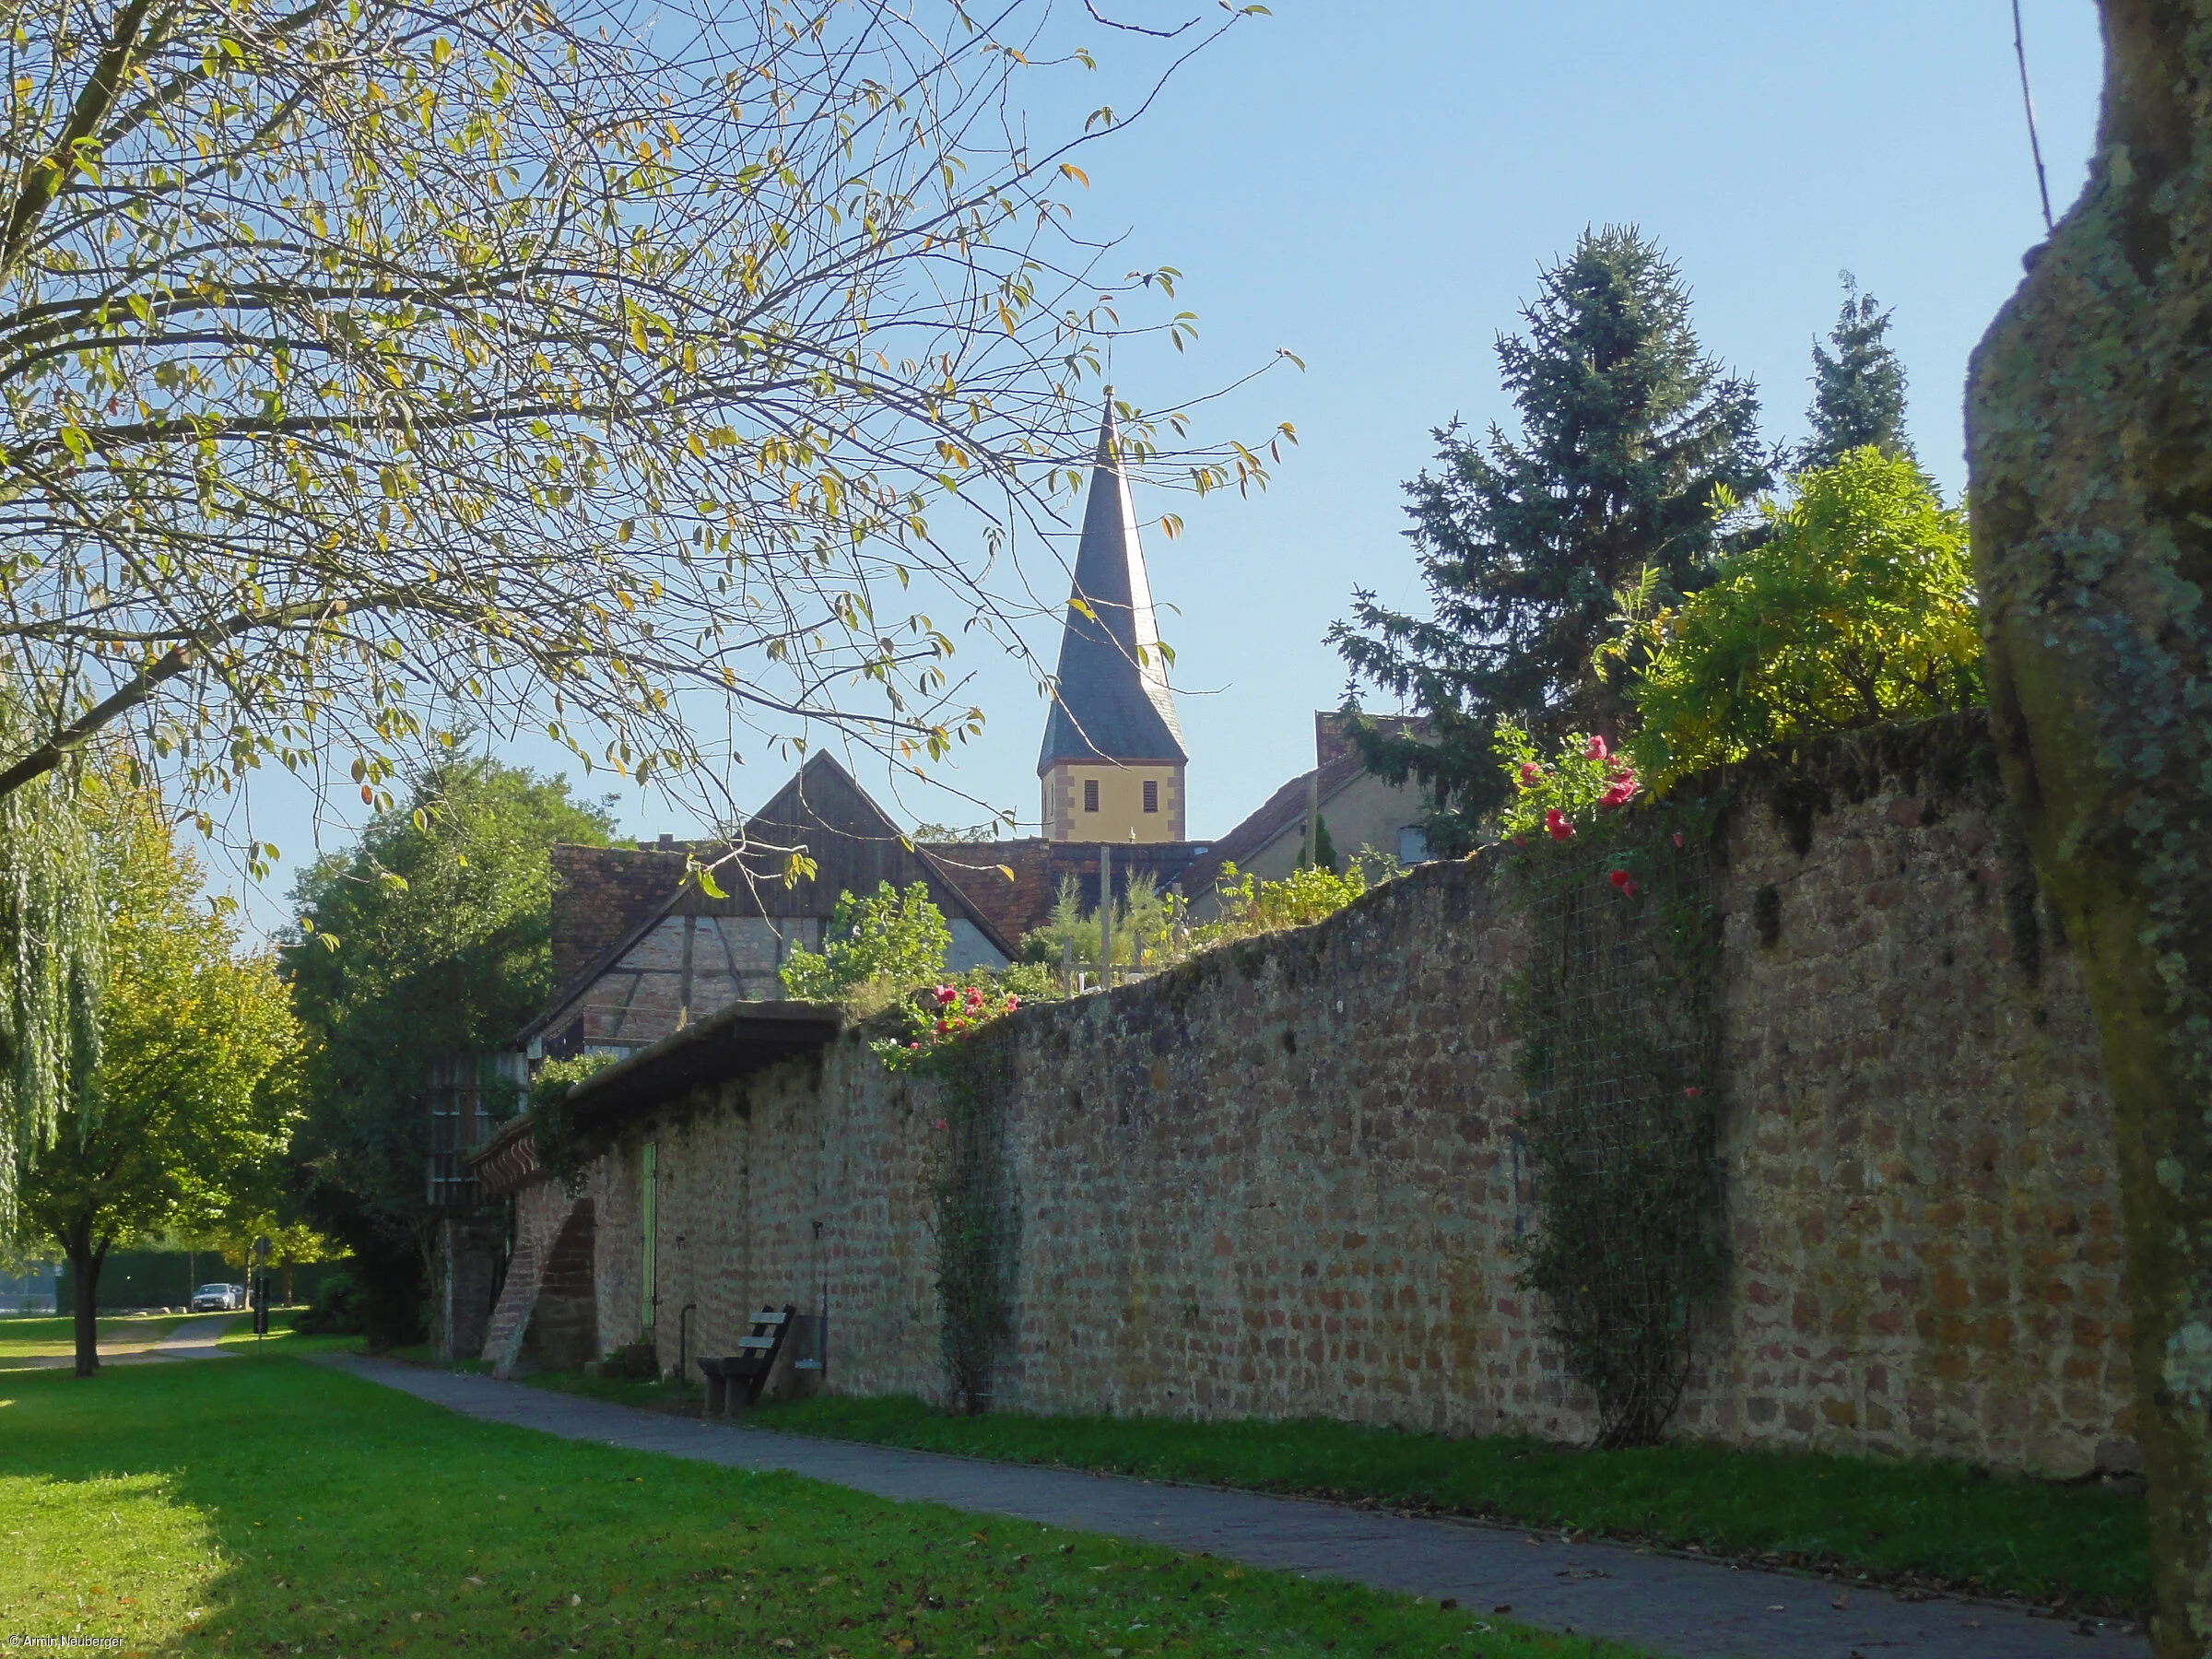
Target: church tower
{"x":1113,"y":762}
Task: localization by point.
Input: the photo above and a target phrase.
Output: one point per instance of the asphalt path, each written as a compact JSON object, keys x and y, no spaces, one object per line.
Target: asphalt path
{"x":1667,"y":1603}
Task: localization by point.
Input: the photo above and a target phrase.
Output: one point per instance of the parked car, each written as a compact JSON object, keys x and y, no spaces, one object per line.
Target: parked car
{"x":219,"y":1299}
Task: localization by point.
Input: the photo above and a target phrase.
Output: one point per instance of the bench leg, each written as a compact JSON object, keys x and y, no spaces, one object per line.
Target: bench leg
{"x":717,"y":1395}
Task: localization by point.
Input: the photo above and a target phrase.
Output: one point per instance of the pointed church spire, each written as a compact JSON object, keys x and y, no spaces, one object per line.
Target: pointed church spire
{"x":1113,"y":701}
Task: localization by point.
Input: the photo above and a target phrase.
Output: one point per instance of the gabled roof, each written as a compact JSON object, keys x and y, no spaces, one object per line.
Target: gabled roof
{"x":1112,"y":701}
{"x":1339,"y":765}
{"x":1279,"y":812}
{"x":821,"y":812}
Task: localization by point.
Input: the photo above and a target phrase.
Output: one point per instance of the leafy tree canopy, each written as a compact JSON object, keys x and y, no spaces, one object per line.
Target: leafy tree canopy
{"x":197,"y":1084}
{"x":1859,"y":387}
{"x":362,"y":363}
{"x":1856,"y":607}
{"x":1634,"y":446}
{"x":430,"y":939}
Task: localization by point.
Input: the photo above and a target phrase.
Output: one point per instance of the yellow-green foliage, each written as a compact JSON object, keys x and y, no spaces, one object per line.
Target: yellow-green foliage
{"x":1251,"y":906}
{"x":198,"y":1076}
{"x":1857,"y":606}
{"x":876,"y":949}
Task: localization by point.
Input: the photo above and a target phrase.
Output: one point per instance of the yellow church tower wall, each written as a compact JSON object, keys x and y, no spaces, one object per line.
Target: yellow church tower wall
{"x":1109,"y":801}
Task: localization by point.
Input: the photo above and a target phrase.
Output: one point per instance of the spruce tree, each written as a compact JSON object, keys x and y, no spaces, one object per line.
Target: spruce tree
{"x":1859,"y":389}
{"x":1633,"y":444}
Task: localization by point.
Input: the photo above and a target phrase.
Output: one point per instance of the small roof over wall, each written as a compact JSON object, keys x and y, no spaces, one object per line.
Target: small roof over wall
{"x":730,"y":1043}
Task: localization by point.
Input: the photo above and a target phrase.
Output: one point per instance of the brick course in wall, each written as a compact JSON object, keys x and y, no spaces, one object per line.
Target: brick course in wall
{"x":1283,"y":1180}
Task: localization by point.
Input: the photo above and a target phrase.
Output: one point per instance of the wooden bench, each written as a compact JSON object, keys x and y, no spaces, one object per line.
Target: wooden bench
{"x":750,"y":1366}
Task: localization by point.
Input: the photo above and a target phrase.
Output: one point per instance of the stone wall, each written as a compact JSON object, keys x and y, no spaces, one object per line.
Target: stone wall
{"x":1283,"y":1180}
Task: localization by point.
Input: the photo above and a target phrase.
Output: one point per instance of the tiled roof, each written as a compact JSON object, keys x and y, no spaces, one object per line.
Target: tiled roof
{"x":1039,"y":867}
{"x":600,"y":892}
{"x":1112,"y":700}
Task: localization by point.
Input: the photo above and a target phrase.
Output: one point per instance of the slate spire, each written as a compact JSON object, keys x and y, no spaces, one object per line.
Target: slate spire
{"x":1113,"y":701}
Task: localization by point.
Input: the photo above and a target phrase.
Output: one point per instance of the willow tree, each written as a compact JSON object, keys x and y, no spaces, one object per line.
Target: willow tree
{"x":198,"y":1073}
{"x":51,"y":931}
{"x":2090,"y":416}
{"x":546,"y":365}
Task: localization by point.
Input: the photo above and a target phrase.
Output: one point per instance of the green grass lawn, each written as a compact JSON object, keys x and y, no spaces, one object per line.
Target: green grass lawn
{"x":1931,"y":1521}
{"x":42,"y":1336}
{"x":261,"y":1506}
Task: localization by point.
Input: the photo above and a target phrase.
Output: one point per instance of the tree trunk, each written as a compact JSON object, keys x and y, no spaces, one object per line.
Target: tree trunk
{"x":85,"y":1260}
{"x":2090,"y":441}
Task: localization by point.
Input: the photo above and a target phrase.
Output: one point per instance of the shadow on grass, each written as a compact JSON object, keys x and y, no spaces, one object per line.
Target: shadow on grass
{"x":261,"y":1506}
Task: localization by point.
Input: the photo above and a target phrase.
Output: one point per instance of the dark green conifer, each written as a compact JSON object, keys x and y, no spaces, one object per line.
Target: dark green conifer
{"x":1858,"y":389}
{"x":1633,"y":442}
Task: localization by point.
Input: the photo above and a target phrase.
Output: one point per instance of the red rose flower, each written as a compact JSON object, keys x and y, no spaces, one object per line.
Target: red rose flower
{"x":1596,"y":748}
{"x":1620,"y":878}
{"x":1677,"y":837}
{"x":1530,"y":772}
{"x":1555,"y":825}
{"x":947,"y":996}
{"x":1013,"y":1003}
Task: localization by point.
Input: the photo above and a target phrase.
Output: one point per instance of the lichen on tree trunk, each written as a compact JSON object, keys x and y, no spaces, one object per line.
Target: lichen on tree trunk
{"x":2090,"y":443}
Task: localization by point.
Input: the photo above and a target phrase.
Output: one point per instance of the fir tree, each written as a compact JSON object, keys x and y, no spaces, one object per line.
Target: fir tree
{"x":1633,"y":444}
{"x":1859,"y":389}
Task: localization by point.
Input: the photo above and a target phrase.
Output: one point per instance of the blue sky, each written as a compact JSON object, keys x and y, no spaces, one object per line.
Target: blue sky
{"x":1375,"y":188}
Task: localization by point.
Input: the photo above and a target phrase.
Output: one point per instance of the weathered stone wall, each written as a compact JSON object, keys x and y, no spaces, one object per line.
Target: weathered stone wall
{"x":1283,"y":1180}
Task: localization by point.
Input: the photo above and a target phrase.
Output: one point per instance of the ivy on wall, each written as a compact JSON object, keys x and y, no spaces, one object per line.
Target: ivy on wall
{"x":1617,"y":1013}
{"x":957,"y":1037}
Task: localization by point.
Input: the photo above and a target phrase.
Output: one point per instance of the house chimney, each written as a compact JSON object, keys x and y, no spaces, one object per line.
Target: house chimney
{"x":667,"y":841}
{"x":1330,"y":741}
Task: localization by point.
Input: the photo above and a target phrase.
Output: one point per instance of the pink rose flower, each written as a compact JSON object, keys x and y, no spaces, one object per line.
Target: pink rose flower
{"x":1596,"y":748}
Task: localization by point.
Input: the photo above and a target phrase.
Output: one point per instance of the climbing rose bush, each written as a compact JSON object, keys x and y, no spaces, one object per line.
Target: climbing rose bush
{"x":945,"y":1015}
{"x":1555,"y":795}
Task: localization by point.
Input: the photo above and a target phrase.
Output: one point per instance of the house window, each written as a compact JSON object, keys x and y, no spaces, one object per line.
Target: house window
{"x":1151,"y":794}
{"x":1413,"y":846}
{"x":1090,"y":794}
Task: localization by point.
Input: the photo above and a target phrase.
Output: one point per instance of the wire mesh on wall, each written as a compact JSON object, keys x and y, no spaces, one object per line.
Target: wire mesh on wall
{"x":1617,"y":1010}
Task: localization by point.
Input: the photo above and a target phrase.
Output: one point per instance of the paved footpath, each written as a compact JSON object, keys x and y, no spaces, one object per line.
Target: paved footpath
{"x":189,"y":1339}
{"x":1693,"y":1609}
